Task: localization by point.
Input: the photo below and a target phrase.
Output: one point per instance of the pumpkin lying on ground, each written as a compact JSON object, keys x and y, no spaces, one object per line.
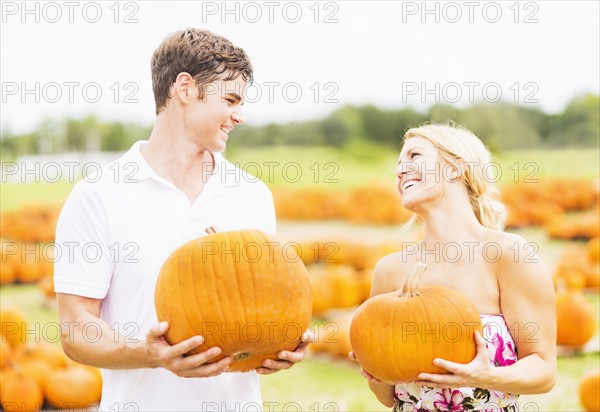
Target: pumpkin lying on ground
{"x":243,"y":291}
{"x":395,"y":336}
{"x":13,"y":322}
{"x":21,"y":393}
{"x":575,"y":319}
{"x":589,"y":391}
{"x":73,"y":387}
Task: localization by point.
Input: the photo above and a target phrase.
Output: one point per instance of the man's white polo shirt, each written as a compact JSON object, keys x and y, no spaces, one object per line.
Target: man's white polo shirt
{"x":115,"y":231}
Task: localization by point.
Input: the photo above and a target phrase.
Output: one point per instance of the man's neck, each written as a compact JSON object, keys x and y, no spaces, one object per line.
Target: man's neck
{"x":175,"y":156}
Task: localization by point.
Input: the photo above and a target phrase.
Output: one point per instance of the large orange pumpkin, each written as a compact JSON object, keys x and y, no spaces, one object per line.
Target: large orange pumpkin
{"x":575,"y":319}
{"x":243,"y":291}
{"x":593,"y":249}
{"x":395,"y":336}
{"x":589,"y":391}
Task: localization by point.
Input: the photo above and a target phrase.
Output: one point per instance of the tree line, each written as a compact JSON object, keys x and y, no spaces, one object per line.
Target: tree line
{"x":502,"y":126}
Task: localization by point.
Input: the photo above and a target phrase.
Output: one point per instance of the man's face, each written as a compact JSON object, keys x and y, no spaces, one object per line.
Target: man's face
{"x":209,"y":120}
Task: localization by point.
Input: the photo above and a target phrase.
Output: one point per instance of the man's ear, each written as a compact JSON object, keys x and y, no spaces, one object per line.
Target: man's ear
{"x":183,"y":87}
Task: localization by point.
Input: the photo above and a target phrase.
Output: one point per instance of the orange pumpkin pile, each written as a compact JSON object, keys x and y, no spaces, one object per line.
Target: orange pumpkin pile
{"x":391,"y":333}
{"x":24,"y":262}
{"x":31,"y":223}
{"x":341,"y":270}
{"x":252,"y":304}
{"x":375,"y":204}
{"x":582,"y":226}
{"x":338,"y":286}
{"x":545,"y":202}
{"x":36,"y":373}
{"x":579,"y":266}
{"x":333,"y":336}
{"x":539,"y":203}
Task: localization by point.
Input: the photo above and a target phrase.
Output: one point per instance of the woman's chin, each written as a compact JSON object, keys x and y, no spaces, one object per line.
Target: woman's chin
{"x":409,"y":205}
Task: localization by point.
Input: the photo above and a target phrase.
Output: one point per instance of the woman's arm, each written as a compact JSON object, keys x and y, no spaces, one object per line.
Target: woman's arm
{"x":383,"y":276}
{"x":527,"y":301}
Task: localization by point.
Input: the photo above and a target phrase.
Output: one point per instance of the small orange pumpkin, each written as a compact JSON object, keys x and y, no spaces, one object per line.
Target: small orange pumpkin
{"x":21,"y":393}
{"x":589,"y":391}
{"x":50,"y":353}
{"x":13,"y":322}
{"x":6,"y":353}
{"x":73,"y":387}
{"x":395,"y":336}
{"x":575,"y":319}
{"x":243,"y":291}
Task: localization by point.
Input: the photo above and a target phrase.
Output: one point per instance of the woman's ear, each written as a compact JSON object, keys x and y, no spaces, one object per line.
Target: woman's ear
{"x":453,"y":171}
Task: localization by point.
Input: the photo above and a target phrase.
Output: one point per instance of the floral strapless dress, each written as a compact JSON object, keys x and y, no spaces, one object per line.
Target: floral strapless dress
{"x":502,"y":351}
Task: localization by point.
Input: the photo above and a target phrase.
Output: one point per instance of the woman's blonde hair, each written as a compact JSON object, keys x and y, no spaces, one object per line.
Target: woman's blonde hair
{"x":458,"y":146}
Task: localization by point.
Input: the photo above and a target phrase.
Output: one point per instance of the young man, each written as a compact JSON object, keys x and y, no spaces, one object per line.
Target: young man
{"x":120,"y":226}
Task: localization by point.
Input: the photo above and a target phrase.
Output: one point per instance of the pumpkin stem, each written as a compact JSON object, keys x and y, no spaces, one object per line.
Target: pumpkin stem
{"x":211,"y":230}
{"x":410,"y":286}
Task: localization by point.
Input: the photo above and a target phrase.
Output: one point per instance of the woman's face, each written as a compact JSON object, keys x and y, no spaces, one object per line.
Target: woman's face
{"x":419,"y":174}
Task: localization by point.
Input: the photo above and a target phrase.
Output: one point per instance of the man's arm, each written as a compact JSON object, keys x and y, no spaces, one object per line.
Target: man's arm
{"x":111,"y":351}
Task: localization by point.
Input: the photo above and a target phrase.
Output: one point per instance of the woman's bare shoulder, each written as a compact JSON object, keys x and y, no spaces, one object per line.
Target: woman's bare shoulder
{"x":390,"y":271}
{"x":517,"y":254}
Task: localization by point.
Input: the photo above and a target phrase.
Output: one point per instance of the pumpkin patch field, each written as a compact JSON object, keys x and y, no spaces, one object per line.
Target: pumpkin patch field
{"x":341,"y":216}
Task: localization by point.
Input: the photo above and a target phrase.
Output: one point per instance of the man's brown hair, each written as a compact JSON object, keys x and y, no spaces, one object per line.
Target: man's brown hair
{"x":202,"y":54}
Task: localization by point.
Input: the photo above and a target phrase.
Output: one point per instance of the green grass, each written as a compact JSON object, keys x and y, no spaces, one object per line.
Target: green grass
{"x":14,"y":195}
{"x":353,"y":169}
{"x":335,"y":169}
{"x":572,"y":163}
{"x":564,"y":396}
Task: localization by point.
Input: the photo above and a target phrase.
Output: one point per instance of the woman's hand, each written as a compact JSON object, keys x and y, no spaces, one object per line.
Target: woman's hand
{"x":475,"y":374}
{"x":288,"y":359}
{"x":364,"y":373}
{"x":170,"y":357}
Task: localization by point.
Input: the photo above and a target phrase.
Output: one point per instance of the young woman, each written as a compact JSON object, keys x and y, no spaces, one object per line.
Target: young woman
{"x":444,"y":177}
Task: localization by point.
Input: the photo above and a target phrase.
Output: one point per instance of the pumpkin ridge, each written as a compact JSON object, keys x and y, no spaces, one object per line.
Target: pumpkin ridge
{"x":249,"y":312}
{"x":251,"y":268}
{"x":394,"y":347}
{"x":181,"y":262}
{"x":450,"y":305}
{"x":196,"y":297}
{"x":463,"y":317}
{"x":423,"y":309}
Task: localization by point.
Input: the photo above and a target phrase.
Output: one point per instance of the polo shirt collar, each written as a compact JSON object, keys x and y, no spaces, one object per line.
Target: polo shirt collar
{"x":225,"y":173}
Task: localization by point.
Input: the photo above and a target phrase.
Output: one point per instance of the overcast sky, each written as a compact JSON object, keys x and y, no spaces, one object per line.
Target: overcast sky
{"x":76,"y":58}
